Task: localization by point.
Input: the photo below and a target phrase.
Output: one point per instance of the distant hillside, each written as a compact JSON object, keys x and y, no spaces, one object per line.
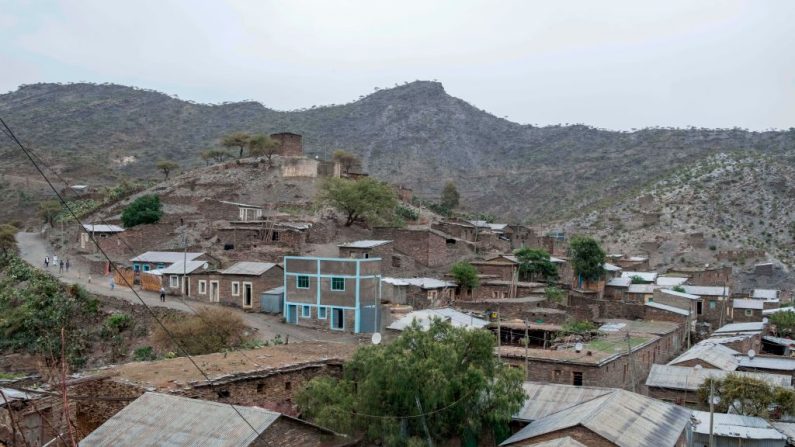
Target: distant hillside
{"x":414,"y":134}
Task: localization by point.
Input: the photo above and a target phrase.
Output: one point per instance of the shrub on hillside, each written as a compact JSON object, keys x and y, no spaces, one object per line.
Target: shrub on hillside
{"x":143,"y":210}
{"x":209,"y":330}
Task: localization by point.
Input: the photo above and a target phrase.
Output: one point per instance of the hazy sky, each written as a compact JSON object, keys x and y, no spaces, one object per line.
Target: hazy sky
{"x":613,"y":64}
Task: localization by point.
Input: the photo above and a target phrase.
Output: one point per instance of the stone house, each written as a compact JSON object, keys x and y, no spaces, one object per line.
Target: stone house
{"x":195,"y":421}
{"x":681,"y":300}
{"x":340,"y":294}
{"x":747,"y":310}
{"x":704,"y":276}
{"x":419,"y":293}
{"x":715,"y":307}
{"x":506,"y":268}
{"x":391,"y":261}
{"x":96,"y":232}
{"x":498,"y":288}
{"x":240,"y":285}
{"x":426,"y":247}
{"x":248,"y":235}
{"x":290,"y":144}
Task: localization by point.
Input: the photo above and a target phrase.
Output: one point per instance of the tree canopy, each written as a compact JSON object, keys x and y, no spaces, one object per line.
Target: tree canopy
{"x":263,"y":146}
{"x":48,"y":209}
{"x":441,"y":382}
{"x":748,"y":396}
{"x":535,"y":263}
{"x":587,"y":257}
{"x":8,"y":242}
{"x":783,"y":322}
{"x":167,"y":166}
{"x":364,"y":199}
{"x":347,"y":160}
{"x":143,"y":210}
{"x":465,"y":274}
{"x":217,"y":155}
{"x":450,"y":196}
{"x":237,"y":140}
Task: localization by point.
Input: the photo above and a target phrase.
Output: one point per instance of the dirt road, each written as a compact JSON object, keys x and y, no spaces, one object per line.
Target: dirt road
{"x":33,"y":248}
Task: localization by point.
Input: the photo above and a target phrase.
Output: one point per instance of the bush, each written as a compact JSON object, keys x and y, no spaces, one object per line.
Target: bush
{"x":119,"y":322}
{"x":406,"y":213}
{"x":144,"y":210}
{"x":578,"y":327}
{"x":465,"y":275}
{"x":209,"y":330}
{"x":144,"y":353}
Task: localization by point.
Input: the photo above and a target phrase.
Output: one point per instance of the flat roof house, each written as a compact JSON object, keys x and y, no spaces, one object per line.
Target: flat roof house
{"x":239,"y":285}
{"x":341,"y":294}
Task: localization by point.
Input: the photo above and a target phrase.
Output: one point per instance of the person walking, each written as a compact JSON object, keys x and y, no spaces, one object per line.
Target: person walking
{"x":112,"y":283}
{"x":60,"y":267}
{"x":54,"y":260}
{"x":46,"y":262}
{"x":67,"y":265}
{"x":162,"y":295}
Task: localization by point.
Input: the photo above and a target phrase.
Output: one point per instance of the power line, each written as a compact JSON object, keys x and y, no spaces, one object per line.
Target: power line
{"x":13,"y":137}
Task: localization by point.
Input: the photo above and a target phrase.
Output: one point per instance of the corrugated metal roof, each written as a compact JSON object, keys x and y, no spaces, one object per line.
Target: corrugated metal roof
{"x":748,"y":304}
{"x":248,"y":268}
{"x":424,"y":317}
{"x":180,"y":267}
{"x":728,"y":339}
{"x":681,"y":294}
{"x":363,"y":244}
{"x":619,"y":282}
{"x":11,"y":395}
{"x":566,"y":441}
{"x":765,"y":294}
{"x":642,"y":288}
{"x":707,"y":290}
{"x":670,"y":281}
{"x":611,"y":267}
{"x":165,"y":257}
{"x":735,"y":426}
{"x":101,"y":228}
{"x":740,"y":328}
{"x":645,"y":276}
{"x":544,"y":399}
{"x":779,"y":340}
{"x":424,"y":283}
{"x":241,"y":205}
{"x":715,"y":354}
{"x":623,"y":418}
{"x":673,"y":309}
{"x":275,"y":291}
{"x":774,"y":363}
{"x":777,"y":310}
{"x":787,"y":428}
{"x":689,"y":378}
{"x":166,"y":420}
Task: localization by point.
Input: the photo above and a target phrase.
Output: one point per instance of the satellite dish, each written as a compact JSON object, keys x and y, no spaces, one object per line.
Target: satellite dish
{"x":697,"y":367}
{"x":751,"y":354}
{"x":765,"y":320}
{"x":578,"y":346}
{"x":715,"y":400}
{"x":376,"y":338}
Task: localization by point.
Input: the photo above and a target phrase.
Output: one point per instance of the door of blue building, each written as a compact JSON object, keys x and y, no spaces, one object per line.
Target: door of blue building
{"x":292,"y":314}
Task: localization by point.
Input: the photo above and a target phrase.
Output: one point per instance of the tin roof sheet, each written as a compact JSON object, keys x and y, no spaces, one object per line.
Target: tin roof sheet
{"x":544,"y":399}
{"x":707,"y":290}
{"x":423,"y":283}
{"x":766,"y":362}
{"x":102,"y":228}
{"x":363,"y":244}
{"x":777,"y":310}
{"x":178,"y":268}
{"x":425,"y":316}
{"x":670,"y":281}
{"x":715,"y":354}
{"x":673,"y":309}
{"x":619,"y":282}
{"x":642,"y":288}
{"x":765,"y":294}
{"x":680,"y":294}
{"x":165,"y":257}
{"x":248,"y":268}
{"x":735,"y":426}
{"x":689,"y":378}
{"x":740,"y":328}
{"x":167,"y":420}
{"x":748,"y":304}
{"x":611,"y":267}
{"x":787,"y":428}
{"x":779,"y":340}
{"x":645,"y":276}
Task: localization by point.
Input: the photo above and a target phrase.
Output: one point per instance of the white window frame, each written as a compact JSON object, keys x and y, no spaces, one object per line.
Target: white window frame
{"x":749,"y":312}
{"x":243,"y":294}
{"x":173,"y":281}
{"x":202,"y":287}
{"x":306,"y":314}
{"x":215,"y":299}
{"x":235,"y":288}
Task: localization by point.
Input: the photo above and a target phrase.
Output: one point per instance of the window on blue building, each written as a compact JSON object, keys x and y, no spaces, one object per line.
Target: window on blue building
{"x":338,"y":284}
{"x":302,"y":282}
{"x":306,"y":311}
{"x":321,"y":313}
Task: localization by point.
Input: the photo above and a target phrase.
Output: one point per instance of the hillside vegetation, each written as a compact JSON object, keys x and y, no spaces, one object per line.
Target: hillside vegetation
{"x":414,"y":134}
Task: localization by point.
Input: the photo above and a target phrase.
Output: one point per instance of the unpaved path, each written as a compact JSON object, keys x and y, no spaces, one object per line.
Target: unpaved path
{"x":33,"y":248}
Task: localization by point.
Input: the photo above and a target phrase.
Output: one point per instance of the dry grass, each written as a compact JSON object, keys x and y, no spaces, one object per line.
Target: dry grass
{"x":210,"y":330}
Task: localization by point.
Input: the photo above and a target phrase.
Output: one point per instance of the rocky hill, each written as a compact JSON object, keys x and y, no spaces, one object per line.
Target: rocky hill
{"x":414,"y":134}
{"x":730,"y":209}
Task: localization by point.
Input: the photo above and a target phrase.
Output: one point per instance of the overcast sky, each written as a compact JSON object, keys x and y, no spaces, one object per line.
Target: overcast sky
{"x":613,"y":64}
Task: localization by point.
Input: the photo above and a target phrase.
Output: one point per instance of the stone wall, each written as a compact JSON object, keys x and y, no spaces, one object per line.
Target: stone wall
{"x":288,"y":432}
{"x":290,"y":144}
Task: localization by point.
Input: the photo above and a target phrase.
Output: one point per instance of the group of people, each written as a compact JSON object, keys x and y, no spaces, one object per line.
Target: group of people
{"x":56,"y":262}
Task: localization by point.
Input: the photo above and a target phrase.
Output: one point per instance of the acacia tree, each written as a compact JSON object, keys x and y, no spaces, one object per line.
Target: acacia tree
{"x":748,"y":396}
{"x":535,"y":262}
{"x":448,"y":374}
{"x":365,"y":199}
{"x":217,"y":155}
{"x":465,"y":275}
{"x":167,"y":166}
{"x":48,"y":210}
{"x":237,"y":140}
{"x":450,"y":196}
{"x":347,"y":160}
{"x":263,"y":145}
{"x":587,"y":258}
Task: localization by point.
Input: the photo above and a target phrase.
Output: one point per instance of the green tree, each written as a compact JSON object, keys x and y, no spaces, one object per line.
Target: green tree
{"x":237,"y":140}
{"x":348,"y":161}
{"x":577,"y":327}
{"x":554,"y":294}
{"x":747,"y":396}
{"x":8,"y":242}
{"x":784,"y":322}
{"x":587,"y":257}
{"x":48,"y":210}
{"x":167,"y":166}
{"x":465,"y":275}
{"x":637,"y":279}
{"x":367,"y":199}
{"x":535,"y":263}
{"x":217,"y":155}
{"x":450,"y":196}
{"x":450,"y":375}
{"x":143,"y":210}
{"x":679,"y":289}
{"x":263,"y":145}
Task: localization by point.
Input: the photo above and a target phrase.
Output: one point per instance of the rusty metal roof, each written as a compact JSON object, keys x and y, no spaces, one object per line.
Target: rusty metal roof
{"x":166,"y":420}
{"x":626,"y":419}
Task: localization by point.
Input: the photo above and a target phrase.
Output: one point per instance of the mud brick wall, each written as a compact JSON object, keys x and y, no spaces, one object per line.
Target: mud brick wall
{"x":290,"y":144}
{"x":739,"y":315}
{"x":664,"y":315}
{"x":90,"y":414}
{"x":581,"y":434}
{"x":287,"y":432}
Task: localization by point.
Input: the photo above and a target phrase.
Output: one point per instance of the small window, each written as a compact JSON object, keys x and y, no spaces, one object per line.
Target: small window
{"x":146,"y":267}
{"x":306,"y":311}
{"x":136,"y":268}
{"x":749,"y":312}
{"x":576,"y":378}
{"x":367,"y":256}
{"x":302,"y":282}
{"x":651,"y":299}
{"x":275,"y":236}
{"x":202,"y":287}
{"x":173,"y":281}
{"x":713,"y":305}
{"x":338,"y":284}
{"x":396,"y":261}
{"x":321,"y":313}
{"x":161,"y":266}
{"x":288,"y":386}
{"x":260,"y":387}
{"x":235,"y":288}
{"x":223,"y":394}
{"x":337,"y":319}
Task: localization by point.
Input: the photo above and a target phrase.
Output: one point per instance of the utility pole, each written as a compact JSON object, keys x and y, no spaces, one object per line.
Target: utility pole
{"x":631,"y":364}
{"x":711,"y":412}
{"x":526,"y":341}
